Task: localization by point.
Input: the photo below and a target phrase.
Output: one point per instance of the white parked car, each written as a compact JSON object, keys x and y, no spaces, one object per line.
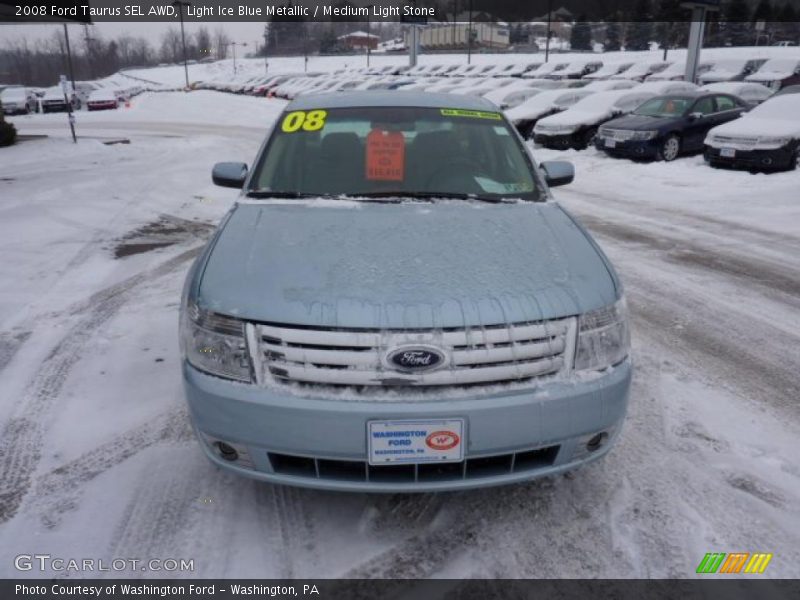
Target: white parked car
{"x":18,"y":100}
{"x":609,"y":70}
{"x":102,"y":99}
{"x":677,"y":71}
{"x":731,"y":69}
{"x":668,"y":87}
{"x":752,"y":93}
{"x":639,"y":71}
{"x":526,"y":115}
{"x":777,"y":73}
{"x":577,"y":126}
{"x":766,"y":138}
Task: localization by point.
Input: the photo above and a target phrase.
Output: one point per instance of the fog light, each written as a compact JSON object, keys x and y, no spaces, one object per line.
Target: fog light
{"x":596,"y":442}
{"x":766,"y":161}
{"x":226,"y":451}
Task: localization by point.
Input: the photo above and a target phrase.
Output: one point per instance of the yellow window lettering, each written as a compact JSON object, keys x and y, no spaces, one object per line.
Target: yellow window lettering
{"x":309,"y":121}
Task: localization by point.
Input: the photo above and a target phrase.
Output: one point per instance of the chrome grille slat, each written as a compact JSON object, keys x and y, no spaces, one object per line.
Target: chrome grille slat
{"x":477,"y":355}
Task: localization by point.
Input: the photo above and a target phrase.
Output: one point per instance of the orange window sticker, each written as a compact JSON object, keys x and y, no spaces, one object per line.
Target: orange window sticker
{"x":386,"y":155}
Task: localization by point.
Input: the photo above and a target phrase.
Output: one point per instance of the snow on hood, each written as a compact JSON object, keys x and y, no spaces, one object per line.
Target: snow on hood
{"x":775,"y":70}
{"x":537,"y":105}
{"x":779,"y":116}
{"x":404,"y":265}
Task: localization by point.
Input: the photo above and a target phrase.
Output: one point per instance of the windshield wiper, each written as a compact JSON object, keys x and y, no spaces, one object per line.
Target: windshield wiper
{"x":429,"y":196}
{"x":264,"y":193}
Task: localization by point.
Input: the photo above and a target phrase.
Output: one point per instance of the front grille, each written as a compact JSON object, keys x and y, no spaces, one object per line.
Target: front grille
{"x":619,"y":135}
{"x":360,"y":470}
{"x":476,"y":356}
{"x":735,"y":141}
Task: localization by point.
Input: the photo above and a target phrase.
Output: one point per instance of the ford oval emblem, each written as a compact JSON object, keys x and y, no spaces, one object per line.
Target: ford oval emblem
{"x":414,"y":359}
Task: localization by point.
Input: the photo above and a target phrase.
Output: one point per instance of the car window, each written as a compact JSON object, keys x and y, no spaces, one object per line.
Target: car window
{"x":725,"y":103}
{"x":704,"y":106}
{"x":665,"y":106}
{"x":378,"y":150}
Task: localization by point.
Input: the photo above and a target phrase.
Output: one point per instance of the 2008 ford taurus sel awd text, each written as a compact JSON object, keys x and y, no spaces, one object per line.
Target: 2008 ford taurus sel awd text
{"x":396,"y":303}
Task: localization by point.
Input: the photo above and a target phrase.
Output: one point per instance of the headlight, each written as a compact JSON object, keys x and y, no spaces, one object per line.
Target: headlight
{"x":603,"y":337}
{"x":772,"y":142}
{"x":215,"y":344}
{"x":643,"y":135}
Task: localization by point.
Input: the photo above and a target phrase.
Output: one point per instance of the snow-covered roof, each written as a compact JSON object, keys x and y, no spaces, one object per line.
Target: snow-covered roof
{"x":358,"y":34}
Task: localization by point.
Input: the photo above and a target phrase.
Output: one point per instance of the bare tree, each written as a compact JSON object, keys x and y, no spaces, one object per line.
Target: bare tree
{"x":202,"y":43}
{"x":221,"y":42}
{"x":171,"y":45}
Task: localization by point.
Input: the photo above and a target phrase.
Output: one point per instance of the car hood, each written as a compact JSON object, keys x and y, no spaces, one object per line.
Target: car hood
{"x":338,"y":263}
{"x":574,"y":118}
{"x":641,"y":122}
{"x":756,"y":127}
{"x":769,"y":76}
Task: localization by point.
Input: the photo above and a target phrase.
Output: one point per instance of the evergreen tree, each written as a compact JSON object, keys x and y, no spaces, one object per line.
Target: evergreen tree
{"x":613,"y":37}
{"x":763,"y":11}
{"x":737,"y":23}
{"x":789,"y":25}
{"x":672,"y":29}
{"x":581,"y":38}
{"x":641,"y":29}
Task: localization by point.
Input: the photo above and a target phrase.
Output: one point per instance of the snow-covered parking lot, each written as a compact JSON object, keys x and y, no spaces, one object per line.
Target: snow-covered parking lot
{"x":97,"y":458}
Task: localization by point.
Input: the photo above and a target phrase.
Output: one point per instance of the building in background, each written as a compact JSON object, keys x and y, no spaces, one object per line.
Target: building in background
{"x":359,"y":40}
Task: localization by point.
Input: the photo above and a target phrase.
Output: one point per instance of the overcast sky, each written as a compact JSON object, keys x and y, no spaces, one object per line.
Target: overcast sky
{"x":238,"y":31}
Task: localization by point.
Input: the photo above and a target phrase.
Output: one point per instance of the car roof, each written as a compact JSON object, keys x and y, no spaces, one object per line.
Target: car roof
{"x":390,"y":98}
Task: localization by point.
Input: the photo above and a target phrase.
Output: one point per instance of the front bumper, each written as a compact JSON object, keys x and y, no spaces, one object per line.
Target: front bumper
{"x":511,"y":436}
{"x":558,"y":142}
{"x":778,"y":158}
{"x":629,"y":148}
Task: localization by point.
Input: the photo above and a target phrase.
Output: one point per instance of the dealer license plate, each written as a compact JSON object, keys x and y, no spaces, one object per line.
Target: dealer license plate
{"x":610,"y":143}
{"x":415,"y":441}
{"x":727,"y":152}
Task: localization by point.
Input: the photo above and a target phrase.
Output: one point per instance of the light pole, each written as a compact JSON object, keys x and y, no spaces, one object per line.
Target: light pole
{"x":469,"y":35}
{"x":69,"y":57}
{"x":547,"y":41}
{"x":233,"y":45}
{"x":266,"y":41}
{"x":180,"y":4}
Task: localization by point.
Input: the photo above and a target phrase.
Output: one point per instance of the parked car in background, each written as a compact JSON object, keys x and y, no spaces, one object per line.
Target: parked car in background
{"x":416,"y":375}
{"x":54,"y":100}
{"x":777,"y":73}
{"x":609,"y":70}
{"x":751,"y":93}
{"x":17,"y":100}
{"x":731,"y":69}
{"x":545,"y":70}
{"x":767,"y":138}
{"x":665,"y":126}
{"x":84,"y":88}
{"x":677,"y":71}
{"x":102,"y":99}
{"x":576,"y":69}
{"x":526,"y":115}
{"x":577,"y":126}
{"x":641,"y":70}
{"x":789,"y":89}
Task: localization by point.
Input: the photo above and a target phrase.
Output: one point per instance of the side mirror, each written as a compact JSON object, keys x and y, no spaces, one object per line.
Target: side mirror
{"x":558,"y":172}
{"x":695,"y":116}
{"x":229,"y":174}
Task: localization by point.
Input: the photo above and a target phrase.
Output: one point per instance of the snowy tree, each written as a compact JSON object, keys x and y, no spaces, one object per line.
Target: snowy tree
{"x":581,"y":37}
{"x":613,"y":37}
{"x":641,"y":29}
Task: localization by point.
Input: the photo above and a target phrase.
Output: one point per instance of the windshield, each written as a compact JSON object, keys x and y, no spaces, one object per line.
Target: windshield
{"x":394,"y":151}
{"x":12,"y":93}
{"x":663,"y":107}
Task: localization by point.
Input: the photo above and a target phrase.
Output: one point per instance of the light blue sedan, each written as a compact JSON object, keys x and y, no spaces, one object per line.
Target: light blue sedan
{"x":395,"y":303}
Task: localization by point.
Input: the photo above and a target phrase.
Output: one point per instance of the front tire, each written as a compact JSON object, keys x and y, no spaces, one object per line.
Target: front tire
{"x":587,"y":139}
{"x":670,"y":148}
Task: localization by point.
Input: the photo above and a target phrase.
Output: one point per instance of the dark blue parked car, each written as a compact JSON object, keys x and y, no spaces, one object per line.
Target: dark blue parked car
{"x":664,"y":127}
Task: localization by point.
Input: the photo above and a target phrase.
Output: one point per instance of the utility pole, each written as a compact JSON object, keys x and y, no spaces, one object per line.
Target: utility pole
{"x":266,"y":42}
{"x":699,"y":9}
{"x":69,"y":57}
{"x":179,"y":4}
{"x":233,"y":45}
{"x":88,"y":41}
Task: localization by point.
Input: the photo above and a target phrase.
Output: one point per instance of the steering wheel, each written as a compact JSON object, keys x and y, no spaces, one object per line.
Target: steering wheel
{"x":457,"y":167}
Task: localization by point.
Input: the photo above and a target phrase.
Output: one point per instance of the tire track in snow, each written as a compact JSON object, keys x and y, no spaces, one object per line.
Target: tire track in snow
{"x":59,"y":491}
{"x":22,"y":436}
